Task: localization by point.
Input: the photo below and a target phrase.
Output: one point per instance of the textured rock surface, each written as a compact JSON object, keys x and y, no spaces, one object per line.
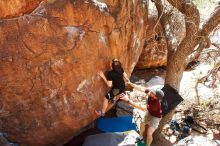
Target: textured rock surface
{"x":49,"y":61}
{"x":13,"y":8}
{"x":154,"y":53}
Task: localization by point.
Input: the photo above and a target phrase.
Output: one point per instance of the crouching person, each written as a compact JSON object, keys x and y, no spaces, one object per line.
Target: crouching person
{"x":153,"y":110}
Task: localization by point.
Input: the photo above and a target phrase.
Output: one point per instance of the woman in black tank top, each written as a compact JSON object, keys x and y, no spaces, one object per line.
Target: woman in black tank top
{"x":115,"y":80}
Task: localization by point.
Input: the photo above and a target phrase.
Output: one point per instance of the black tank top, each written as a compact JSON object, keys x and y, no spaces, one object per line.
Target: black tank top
{"x":117,"y":79}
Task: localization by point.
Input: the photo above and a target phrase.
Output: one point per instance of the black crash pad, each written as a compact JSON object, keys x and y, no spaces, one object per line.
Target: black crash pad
{"x":170,"y":100}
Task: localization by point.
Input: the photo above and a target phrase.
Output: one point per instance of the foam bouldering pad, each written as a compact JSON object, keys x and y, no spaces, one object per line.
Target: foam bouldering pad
{"x":116,"y":124}
{"x":128,"y":138}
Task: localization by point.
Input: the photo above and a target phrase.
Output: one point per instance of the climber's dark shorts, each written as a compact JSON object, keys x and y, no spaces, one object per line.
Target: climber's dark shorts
{"x":112,"y":93}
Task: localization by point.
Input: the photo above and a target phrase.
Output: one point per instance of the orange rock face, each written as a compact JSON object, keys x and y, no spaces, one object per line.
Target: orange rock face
{"x":49,"y":64}
{"x":154,"y":53}
{"x":13,"y":8}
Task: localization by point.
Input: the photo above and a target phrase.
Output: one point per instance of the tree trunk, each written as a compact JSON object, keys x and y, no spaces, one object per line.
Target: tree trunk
{"x":174,"y":75}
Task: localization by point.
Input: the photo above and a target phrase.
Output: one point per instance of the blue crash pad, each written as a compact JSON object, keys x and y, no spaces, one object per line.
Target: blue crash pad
{"x":116,"y":124}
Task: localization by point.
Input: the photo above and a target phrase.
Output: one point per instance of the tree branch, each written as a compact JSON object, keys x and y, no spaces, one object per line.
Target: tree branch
{"x":205,"y":43}
{"x":192,"y":19}
{"x":207,"y":28}
{"x":165,"y":25}
{"x":216,"y":45}
{"x":212,"y":23}
{"x":196,"y":53}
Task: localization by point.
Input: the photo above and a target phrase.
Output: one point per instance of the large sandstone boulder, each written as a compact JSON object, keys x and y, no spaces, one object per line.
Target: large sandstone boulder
{"x":155,"y":50}
{"x":49,"y":64}
{"x":154,"y":53}
{"x":13,"y":8}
